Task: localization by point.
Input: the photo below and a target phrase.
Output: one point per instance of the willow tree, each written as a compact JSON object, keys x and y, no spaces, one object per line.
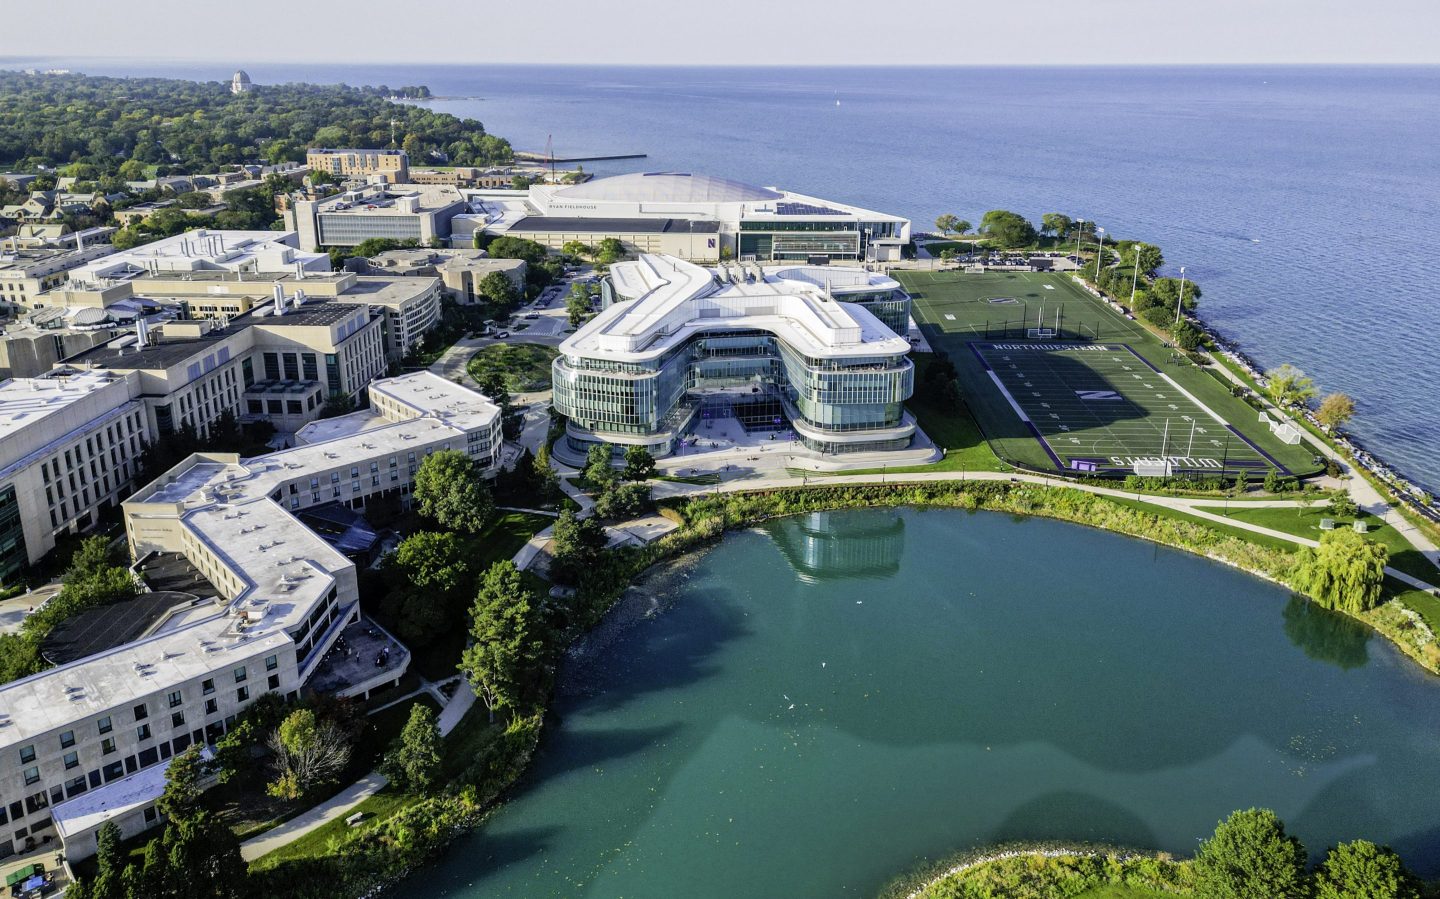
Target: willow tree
{"x":1344,"y":572}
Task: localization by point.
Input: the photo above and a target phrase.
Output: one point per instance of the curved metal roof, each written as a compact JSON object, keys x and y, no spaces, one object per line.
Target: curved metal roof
{"x":666,"y":187}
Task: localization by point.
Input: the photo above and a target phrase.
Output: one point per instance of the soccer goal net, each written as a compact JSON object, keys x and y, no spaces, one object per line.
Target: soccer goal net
{"x":1040,"y":333}
{"x":1153,"y":468}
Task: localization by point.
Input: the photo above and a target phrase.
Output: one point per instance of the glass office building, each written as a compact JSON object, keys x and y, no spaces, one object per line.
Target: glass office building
{"x":767,"y":345}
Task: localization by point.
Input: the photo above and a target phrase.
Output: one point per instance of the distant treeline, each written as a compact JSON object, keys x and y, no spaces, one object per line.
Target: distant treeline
{"x":99,"y":124}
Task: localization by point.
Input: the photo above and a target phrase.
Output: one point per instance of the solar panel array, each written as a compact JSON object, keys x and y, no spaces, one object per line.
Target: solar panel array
{"x":805,"y":209}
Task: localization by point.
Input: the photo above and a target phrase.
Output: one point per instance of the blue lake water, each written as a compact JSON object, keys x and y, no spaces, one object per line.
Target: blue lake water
{"x":817,"y":705}
{"x":1301,"y":199}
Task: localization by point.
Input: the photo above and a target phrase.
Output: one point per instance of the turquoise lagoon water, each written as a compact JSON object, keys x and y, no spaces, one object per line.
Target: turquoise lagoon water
{"x":821,"y":703}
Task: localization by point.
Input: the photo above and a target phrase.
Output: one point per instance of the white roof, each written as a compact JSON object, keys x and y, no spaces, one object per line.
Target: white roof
{"x":668,"y":300}
{"x":94,"y":807}
{"x":667,"y":187}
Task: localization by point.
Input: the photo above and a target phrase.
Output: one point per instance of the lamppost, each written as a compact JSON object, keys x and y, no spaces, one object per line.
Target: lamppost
{"x":1180,"y":300}
{"x":1099,"y":255}
{"x":1079,"y":231}
{"x":1135,"y":278}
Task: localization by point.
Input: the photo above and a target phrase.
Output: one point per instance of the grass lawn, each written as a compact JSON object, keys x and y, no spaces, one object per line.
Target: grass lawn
{"x":525,"y":366}
{"x":1107,"y":388}
{"x":1306,"y":523}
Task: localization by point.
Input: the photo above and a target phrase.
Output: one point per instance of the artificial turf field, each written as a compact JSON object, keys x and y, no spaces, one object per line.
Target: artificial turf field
{"x":1103,"y":393}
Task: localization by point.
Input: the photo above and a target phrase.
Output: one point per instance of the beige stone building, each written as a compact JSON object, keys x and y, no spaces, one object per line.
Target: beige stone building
{"x":391,"y":165}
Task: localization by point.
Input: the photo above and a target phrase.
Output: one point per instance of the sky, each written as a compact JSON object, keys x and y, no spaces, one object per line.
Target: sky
{"x":733,"y":32}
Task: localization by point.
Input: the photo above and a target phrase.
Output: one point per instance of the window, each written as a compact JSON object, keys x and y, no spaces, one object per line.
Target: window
{"x":177,"y":719}
{"x":150,"y":815}
{"x":32,"y":775}
{"x":141,"y":712}
{"x":272,"y":662}
{"x":273,"y":683}
{"x":207,"y":686}
{"x":107,"y":745}
{"x":211,"y":707}
{"x":242,"y":694}
{"x":240,"y":675}
{"x":103,"y":725}
{"x":175,"y":699}
{"x":142,"y":732}
{"x":72,"y":760}
{"x":67,"y":739}
{"x":27,"y":754}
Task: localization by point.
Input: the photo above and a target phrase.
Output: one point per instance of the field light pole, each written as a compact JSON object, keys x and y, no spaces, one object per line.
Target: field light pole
{"x":1180,"y":300}
{"x":1099,"y":255}
{"x":1135,"y":279}
{"x":1079,"y":230}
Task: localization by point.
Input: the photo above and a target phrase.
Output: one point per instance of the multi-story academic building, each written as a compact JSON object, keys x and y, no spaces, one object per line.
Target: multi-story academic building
{"x":243,"y":600}
{"x":391,"y":165}
{"x":778,"y":344}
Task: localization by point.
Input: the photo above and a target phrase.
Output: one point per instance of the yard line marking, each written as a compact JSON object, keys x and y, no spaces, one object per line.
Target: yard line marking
{"x":949,"y":317}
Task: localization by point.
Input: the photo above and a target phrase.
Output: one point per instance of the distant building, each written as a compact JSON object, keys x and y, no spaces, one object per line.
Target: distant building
{"x":695,"y":217}
{"x":395,"y":211}
{"x":393,"y":166}
{"x":196,"y":252}
{"x":460,"y":271}
{"x":26,"y":273}
{"x":240,"y":83}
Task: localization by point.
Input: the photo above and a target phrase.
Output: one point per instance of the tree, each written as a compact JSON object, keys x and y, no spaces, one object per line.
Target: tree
{"x":507,"y":247}
{"x":1287,"y":385}
{"x":1165,"y":293}
{"x":434,"y":560}
{"x":181,"y":799}
{"x":1007,"y":229}
{"x":576,"y":545}
{"x":499,"y":289}
{"x":1150,"y":259}
{"x":1335,"y":410}
{"x":947,"y":222}
{"x":598,"y":470}
{"x":505,"y":647}
{"x":202,"y":858}
{"x":1056,"y":223}
{"x":947,"y":255}
{"x":609,"y":250}
{"x":1362,"y":870}
{"x":109,"y":861}
{"x":337,"y":404}
{"x":639,"y":464}
{"x":90,"y":559}
{"x":1342,"y":506}
{"x":577,"y":249}
{"x":622,"y":501}
{"x":962,"y":226}
{"x":449,"y":490}
{"x":547,"y":481}
{"x":1186,"y":335}
{"x":413,"y":761}
{"x":309,"y":753}
{"x":1251,"y":857}
{"x":1345,"y":572}
{"x":577,"y":307}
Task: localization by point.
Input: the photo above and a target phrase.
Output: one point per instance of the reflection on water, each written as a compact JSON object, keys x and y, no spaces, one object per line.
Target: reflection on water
{"x":828,"y":545}
{"x":758,"y":727}
{"x":1325,"y":635}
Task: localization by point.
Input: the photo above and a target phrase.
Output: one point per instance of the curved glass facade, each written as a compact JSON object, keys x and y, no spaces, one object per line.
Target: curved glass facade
{"x":844,"y":397}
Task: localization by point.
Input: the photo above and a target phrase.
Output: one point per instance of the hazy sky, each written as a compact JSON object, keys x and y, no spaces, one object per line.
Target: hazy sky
{"x":739,"y":32}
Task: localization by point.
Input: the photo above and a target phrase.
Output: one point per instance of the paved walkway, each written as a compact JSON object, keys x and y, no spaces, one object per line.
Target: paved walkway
{"x":337,"y":806}
{"x":1361,"y":491}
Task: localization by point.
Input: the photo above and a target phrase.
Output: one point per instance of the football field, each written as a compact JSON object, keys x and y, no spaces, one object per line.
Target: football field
{"x":1057,"y":379}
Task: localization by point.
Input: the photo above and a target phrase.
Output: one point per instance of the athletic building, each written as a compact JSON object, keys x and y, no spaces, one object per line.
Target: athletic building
{"x":772,"y":344}
{"x":696,"y":217}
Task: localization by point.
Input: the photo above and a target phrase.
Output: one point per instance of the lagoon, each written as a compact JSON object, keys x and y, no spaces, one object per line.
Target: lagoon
{"x":816,"y":705}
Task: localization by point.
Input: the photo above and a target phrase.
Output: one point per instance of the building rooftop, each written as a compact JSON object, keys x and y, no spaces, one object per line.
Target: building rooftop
{"x":207,"y":250}
{"x":551,"y":223}
{"x":667,"y":187}
{"x":25,"y":401}
{"x":391,"y":199}
{"x":94,"y":807}
{"x":668,"y":300}
{"x":116,"y":624}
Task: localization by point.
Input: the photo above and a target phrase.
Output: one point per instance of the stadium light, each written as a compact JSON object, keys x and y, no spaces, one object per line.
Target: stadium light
{"x":1180,"y":300}
{"x":1099,"y":255}
{"x":1135,"y":279}
{"x":1079,"y":230}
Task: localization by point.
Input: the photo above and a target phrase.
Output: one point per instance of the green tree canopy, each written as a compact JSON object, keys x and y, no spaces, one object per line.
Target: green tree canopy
{"x":1056,"y":223}
{"x":609,"y":250}
{"x":1335,"y":410}
{"x":449,"y":490}
{"x":946,"y":223}
{"x":499,"y":289}
{"x":1345,"y":572}
{"x":1007,"y":229}
{"x":1362,"y":870}
{"x":1165,"y":292}
{"x":576,"y":545}
{"x":413,"y":762}
{"x":505,"y":645}
{"x":181,"y":799}
{"x":434,"y":560}
{"x":1251,"y":857}
{"x":1287,"y":385}
{"x":507,"y":247}
{"x":639,"y":464}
